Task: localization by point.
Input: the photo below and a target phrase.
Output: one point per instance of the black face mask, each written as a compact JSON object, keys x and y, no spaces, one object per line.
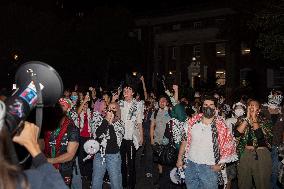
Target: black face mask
{"x":208,"y":112}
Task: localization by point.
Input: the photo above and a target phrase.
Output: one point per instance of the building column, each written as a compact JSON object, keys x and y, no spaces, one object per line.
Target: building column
{"x":166,"y":59}
{"x":233,"y":52}
{"x":208,"y":64}
{"x":155,"y":66}
{"x":178,"y":65}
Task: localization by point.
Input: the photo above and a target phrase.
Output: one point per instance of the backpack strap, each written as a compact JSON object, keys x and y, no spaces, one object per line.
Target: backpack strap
{"x":156,"y":113}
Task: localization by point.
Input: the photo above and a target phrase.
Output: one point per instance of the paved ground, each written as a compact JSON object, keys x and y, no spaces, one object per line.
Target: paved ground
{"x":143,"y":165}
{"x":141,"y":180}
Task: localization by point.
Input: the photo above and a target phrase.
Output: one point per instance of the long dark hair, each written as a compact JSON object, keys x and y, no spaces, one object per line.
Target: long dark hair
{"x":10,"y":174}
{"x":52,"y":117}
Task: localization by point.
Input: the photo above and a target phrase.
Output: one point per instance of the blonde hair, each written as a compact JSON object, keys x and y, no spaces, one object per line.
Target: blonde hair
{"x":117,"y":115}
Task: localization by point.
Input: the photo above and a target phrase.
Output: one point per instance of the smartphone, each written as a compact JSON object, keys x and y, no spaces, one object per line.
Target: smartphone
{"x":138,"y":75}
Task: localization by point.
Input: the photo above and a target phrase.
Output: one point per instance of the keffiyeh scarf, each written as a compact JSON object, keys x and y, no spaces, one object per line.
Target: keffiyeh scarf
{"x":222,"y":139}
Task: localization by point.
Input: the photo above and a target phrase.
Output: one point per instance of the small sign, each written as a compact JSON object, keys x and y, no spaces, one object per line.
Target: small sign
{"x":29,"y":95}
{"x":14,"y":87}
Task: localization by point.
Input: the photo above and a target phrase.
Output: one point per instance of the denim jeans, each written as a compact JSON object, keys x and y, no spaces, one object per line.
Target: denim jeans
{"x":76,"y":180}
{"x":275,"y":168}
{"x":113,"y":165}
{"x":199,"y":176}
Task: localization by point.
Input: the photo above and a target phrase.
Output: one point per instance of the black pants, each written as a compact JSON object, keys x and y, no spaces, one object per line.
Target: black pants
{"x":86,"y":168}
{"x":128,"y":156}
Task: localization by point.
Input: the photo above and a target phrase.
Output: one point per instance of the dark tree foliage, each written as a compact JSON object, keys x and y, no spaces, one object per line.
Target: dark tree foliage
{"x":269,"y":22}
{"x":262,"y":26}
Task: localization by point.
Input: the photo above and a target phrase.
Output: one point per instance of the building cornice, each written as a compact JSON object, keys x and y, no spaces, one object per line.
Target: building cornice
{"x":159,"y":20}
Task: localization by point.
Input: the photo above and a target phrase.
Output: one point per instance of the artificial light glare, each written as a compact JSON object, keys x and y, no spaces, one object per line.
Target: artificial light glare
{"x":14,"y":86}
{"x":16,"y":57}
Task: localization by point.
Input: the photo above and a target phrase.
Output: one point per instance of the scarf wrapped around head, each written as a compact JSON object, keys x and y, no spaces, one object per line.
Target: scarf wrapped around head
{"x":98,"y":106}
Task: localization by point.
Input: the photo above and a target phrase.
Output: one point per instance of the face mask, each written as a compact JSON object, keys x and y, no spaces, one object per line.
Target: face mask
{"x":74,"y":98}
{"x":239,"y":112}
{"x":208,"y":112}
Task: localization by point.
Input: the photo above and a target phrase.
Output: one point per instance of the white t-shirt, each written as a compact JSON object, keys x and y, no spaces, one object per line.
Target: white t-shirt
{"x":130,"y":123}
{"x":201,"y":147}
{"x":161,"y":120}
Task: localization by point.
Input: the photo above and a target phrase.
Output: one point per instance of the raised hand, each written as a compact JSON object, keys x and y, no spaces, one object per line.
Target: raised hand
{"x":175,"y":87}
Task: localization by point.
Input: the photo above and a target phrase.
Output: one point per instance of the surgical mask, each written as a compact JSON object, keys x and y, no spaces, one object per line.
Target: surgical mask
{"x":208,"y":112}
{"x":239,"y":112}
{"x":74,"y":98}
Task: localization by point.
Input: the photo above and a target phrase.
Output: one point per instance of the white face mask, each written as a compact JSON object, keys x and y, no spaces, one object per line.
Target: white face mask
{"x":239,"y":112}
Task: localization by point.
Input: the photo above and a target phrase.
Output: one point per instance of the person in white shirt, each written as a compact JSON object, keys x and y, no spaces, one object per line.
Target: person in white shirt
{"x":207,"y":145}
{"x":132,"y":116}
{"x":239,"y":110}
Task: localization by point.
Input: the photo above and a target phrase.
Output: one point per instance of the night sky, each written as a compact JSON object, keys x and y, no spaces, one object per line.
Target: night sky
{"x":86,"y":41}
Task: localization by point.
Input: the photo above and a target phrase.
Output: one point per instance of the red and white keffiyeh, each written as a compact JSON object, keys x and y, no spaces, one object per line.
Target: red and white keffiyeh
{"x":226,"y":143}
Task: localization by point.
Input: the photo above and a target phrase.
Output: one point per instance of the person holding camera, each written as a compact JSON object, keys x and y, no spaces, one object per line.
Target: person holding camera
{"x":43,"y":175}
{"x":109,"y":134}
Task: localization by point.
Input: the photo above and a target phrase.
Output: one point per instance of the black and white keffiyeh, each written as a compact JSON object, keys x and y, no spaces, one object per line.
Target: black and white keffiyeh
{"x":135,"y":108}
{"x":119,"y":132}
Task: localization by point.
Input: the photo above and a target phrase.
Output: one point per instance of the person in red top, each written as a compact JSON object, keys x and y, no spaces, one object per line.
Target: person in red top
{"x":86,"y":125}
{"x":62,"y":143}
